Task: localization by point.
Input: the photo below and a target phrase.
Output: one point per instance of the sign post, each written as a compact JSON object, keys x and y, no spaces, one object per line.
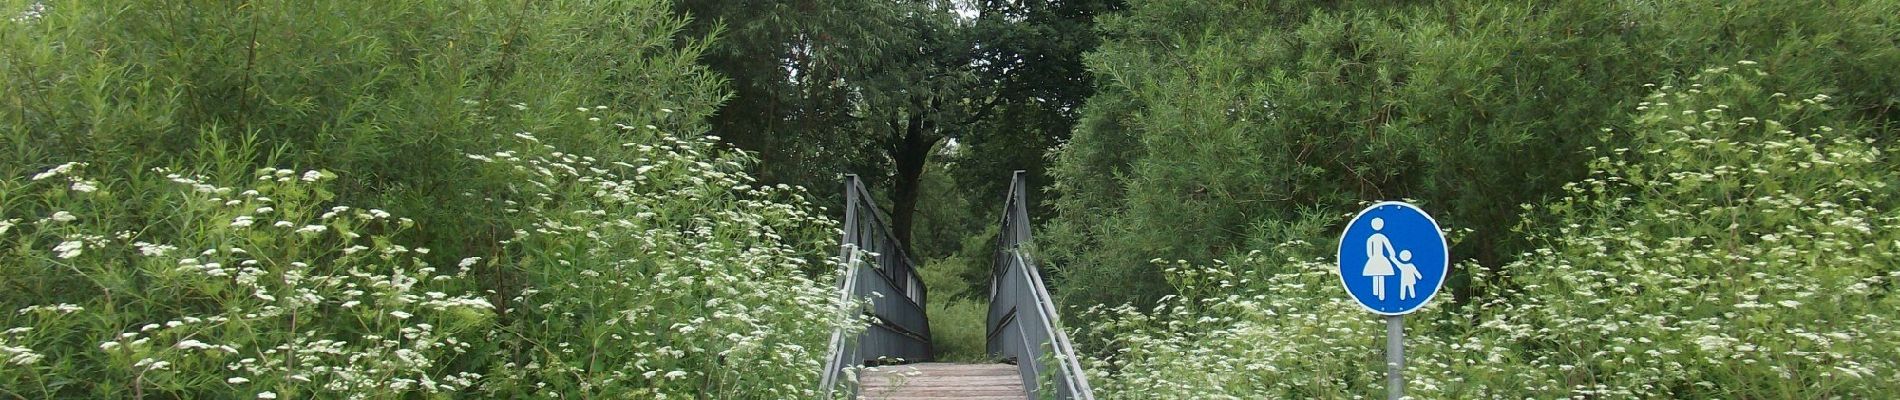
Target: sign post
{"x":1387,"y":254}
{"x":1395,"y":357}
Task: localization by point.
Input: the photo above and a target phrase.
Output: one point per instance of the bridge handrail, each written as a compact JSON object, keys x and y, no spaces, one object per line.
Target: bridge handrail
{"x":1022,"y":317}
{"x":897,"y":329}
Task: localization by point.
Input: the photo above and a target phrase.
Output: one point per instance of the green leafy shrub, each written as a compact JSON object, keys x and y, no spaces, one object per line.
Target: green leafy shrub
{"x":667,"y":275}
{"x":262,"y":290}
{"x":273,"y":199}
{"x":1735,"y":249}
{"x":1223,"y":126}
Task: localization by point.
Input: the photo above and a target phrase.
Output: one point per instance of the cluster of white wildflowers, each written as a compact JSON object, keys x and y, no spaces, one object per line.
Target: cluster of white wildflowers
{"x":659,"y":271}
{"x":662,"y":272}
{"x":258,"y":293}
{"x":33,"y":12}
{"x":1740,"y":247}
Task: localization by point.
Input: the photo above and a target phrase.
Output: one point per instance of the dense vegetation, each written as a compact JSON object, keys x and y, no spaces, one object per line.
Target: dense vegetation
{"x":1683,"y":199}
{"x":1223,"y":127}
{"x":628,"y":198}
{"x":1739,"y":247}
{"x":291,"y":200}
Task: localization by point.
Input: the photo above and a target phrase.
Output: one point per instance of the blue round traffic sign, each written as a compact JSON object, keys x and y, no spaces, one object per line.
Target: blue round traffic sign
{"x":1393,"y":258}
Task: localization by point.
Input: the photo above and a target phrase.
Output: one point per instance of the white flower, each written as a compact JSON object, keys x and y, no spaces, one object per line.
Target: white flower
{"x":62,"y":216}
{"x":242,"y":221}
{"x":267,"y":395}
{"x":69,"y":249}
{"x":85,"y":186}
{"x":400,"y":315}
{"x":313,"y":229}
{"x":466,"y":262}
{"x":20,"y":355}
{"x":7,"y":224}
{"x":675,"y":374}
{"x":236,"y":380}
{"x":62,"y":308}
{"x":56,"y":171}
{"x":312,"y":176}
{"x":157,"y":365}
{"x":153,"y":250}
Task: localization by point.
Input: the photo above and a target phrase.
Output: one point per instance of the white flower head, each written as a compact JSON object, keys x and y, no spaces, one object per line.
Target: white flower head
{"x":153,"y":250}
{"x":57,"y":170}
{"x":19,"y":355}
{"x":69,"y":249}
{"x":85,"y":186}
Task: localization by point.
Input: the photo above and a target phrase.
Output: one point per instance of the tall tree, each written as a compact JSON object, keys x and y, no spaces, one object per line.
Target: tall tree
{"x":1029,"y":56}
{"x":825,"y":87}
{"x":786,"y":63}
{"x":918,"y":97}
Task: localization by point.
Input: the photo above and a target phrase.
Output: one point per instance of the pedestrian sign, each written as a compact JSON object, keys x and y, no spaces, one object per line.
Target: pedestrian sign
{"x":1393,"y":258}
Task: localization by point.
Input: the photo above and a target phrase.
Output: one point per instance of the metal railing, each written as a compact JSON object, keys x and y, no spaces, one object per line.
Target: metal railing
{"x":1022,"y":323}
{"x":880,"y":272}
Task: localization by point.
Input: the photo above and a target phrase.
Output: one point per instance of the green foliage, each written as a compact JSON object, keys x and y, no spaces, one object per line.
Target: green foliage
{"x":957,"y":314}
{"x":946,"y":213}
{"x":572,"y":235}
{"x":1733,"y":249}
{"x":1029,"y":57}
{"x":388,"y":96}
{"x":667,"y":275}
{"x":782,"y":60}
{"x":866,"y":87}
{"x":1221,"y":126}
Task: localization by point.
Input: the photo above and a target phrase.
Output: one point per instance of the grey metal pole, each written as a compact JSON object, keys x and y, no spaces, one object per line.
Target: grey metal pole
{"x":1394,"y":357}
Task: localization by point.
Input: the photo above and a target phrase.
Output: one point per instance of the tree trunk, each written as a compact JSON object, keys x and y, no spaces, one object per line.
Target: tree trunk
{"x":910,"y":154}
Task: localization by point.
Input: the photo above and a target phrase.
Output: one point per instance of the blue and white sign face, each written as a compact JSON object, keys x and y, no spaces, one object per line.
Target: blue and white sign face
{"x":1393,"y":258}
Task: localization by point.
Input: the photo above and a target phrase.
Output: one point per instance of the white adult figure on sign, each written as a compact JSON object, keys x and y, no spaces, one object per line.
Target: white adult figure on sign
{"x":1378,"y":258}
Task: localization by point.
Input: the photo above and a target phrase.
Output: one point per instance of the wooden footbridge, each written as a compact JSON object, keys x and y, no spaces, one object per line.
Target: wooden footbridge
{"x":888,"y":358}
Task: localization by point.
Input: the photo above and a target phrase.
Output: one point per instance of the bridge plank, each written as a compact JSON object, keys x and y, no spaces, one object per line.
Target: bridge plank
{"x":943,"y":381}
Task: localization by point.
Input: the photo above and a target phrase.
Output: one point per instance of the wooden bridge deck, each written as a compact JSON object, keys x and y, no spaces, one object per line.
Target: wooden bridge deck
{"x":943,"y":381}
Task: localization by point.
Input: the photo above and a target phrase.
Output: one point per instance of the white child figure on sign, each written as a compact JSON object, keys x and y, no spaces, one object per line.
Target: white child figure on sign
{"x":1408,"y":276}
{"x":1378,"y":258}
